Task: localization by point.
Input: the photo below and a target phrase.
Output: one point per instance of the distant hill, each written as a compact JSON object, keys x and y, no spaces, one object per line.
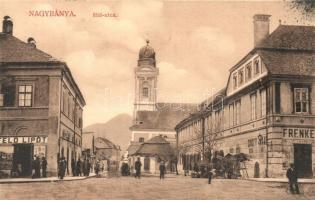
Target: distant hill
{"x":116,"y":130}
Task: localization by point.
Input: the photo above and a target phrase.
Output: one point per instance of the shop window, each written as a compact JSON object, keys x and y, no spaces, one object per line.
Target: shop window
{"x":253,"y":106}
{"x":301,"y":100}
{"x":25,"y":95}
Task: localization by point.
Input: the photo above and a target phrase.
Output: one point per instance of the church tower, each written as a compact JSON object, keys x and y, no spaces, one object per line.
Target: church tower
{"x":146,"y":75}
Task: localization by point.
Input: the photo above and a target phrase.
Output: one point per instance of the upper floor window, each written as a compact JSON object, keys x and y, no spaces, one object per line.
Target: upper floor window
{"x":145,"y":92}
{"x":231,"y":111}
{"x":263,"y":102}
{"x":237,"y":111}
{"x":248,"y":71}
{"x":141,"y":139}
{"x":7,"y":95}
{"x":256,"y":66}
{"x":234,"y":81}
{"x":301,"y":101}
{"x":1,"y":99}
{"x":25,"y":95}
{"x":253,"y":106}
{"x":241,"y":77}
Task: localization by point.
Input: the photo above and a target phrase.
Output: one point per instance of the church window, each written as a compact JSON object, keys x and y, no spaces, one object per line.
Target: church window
{"x":141,"y":139}
{"x":145,"y":92}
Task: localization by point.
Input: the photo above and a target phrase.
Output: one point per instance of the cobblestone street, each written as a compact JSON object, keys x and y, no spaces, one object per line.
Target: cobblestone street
{"x":152,"y":188}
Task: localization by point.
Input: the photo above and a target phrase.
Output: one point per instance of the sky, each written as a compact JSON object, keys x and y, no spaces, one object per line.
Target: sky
{"x":196,"y":43}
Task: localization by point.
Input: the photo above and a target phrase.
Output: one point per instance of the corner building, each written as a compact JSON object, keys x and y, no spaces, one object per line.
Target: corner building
{"x":40,"y":107}
{"x":266,"y":109}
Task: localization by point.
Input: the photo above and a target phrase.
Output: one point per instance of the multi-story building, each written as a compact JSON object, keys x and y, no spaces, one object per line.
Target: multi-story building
{"x":266,"y":108}
{"x":40,"y":107}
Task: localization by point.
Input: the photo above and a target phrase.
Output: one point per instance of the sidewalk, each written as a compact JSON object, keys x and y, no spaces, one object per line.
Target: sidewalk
{"x":281,"y":180}
{"x":48,"y":179}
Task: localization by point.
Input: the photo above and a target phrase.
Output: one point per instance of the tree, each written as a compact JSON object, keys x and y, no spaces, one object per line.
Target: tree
{"x":209,"y":141}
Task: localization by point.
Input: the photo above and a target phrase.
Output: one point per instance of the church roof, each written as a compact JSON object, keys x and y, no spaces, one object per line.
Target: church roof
{"x":146,"y":52}
{"x":165,"y":118}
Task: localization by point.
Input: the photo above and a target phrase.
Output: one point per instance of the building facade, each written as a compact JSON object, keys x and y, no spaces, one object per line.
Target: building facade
{"x":266,"y":108}
{"x":40,"y":107}
{"x":152,"y":118}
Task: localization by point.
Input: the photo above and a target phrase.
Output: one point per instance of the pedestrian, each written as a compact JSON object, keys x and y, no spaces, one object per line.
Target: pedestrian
{"x":97,"y":167}
{"x":62,"y":167}
{"x":293,"y":179}
{"x":44,"y":166}
{"x":162,"y":170}
{"x":73,"y":168}
{"x":210,"y":175}
{"x":88,"y":168}
{"x":79,"y":168}
{"x":37,"y":167}
{"x":138,"y":165}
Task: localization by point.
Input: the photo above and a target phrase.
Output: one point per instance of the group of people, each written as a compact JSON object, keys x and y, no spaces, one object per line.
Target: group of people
{"x":138,"y":165}
{"x":37,"y":165}
{"x":80,"y":168}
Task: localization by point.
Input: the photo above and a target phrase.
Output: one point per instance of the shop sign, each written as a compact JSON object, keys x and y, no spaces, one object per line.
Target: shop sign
{"x":23,"y":140}
{"x":301,"y":133}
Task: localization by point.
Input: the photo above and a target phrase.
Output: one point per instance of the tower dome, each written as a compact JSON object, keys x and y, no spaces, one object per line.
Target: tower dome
{"x":146,"y":52}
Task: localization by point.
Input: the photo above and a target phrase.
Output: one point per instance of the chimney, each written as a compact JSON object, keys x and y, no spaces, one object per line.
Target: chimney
{"x":261,"y":28}
{"x":31,"y":42}
{"x":7,"y":26}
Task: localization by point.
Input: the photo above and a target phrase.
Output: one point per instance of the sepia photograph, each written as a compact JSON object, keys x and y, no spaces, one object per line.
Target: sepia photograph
{"x":157,"y":99}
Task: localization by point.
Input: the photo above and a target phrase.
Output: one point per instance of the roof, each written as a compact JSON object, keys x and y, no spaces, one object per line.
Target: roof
{"x":103,"y":143}
{"x":285,"y":37}
{"x":165,"y":118}
{"x":156,"y":146}
{"x":289,"y":62}
{"x":290,"y":37}
{"x":133,"y":148}
{"x":14,"y":50}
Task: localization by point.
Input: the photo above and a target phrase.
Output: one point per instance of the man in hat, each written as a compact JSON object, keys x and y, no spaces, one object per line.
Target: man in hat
{"x":293,"y":179}
{"x":138,"y":165}
{"x":162,"y":170}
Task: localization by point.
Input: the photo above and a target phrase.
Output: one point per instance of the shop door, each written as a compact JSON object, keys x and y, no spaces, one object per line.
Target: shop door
{"x":303,"y":160}
{"x":22,"y":157}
